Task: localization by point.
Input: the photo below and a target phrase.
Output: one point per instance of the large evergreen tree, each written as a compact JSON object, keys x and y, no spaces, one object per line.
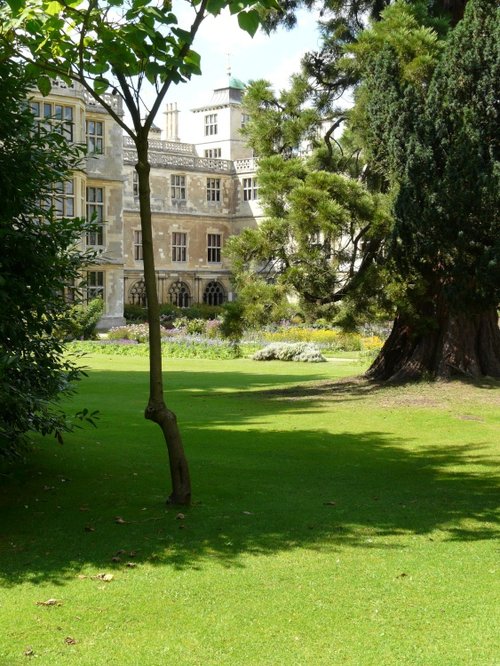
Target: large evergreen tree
{"x":437,"y":143}
{"x":426,"y":121}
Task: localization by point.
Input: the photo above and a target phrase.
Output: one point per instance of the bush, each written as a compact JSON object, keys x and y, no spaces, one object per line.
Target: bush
{"x":232,"y":323}
{"x":190,"y":326}
{"x":372,"y":343}
{"x":41,"y":259}
{"x":213,"y":328}
{"x":169,"y":312}
{"x":283,"y":351}
{"x":82,"y":320}
{"x":137,"y":332}
{"x":135,"y":313}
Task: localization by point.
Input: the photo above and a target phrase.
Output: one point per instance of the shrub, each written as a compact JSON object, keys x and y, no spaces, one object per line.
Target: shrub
{"x":135,"y":313}
{"x":195,"y":326}
{"x":137,"y":332}
{"x":82,"y":319}
{"x":232,"y":323}
{"x":284,"y":351}
{"x":169,"y":312}
{"x":349,"y":342}
{"x":372,"y":343}
{"x":213,"y":328}
{"x":199,"y":311}
{"x":41,"y":259}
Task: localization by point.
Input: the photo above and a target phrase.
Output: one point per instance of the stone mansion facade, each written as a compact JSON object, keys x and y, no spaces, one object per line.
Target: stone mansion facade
{"x":202,"y":193}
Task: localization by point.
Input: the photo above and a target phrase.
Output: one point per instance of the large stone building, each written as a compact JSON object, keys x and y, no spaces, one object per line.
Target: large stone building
{"x":202,"y":193}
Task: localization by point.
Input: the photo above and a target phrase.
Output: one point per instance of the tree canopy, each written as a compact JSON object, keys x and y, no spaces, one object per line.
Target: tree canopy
{"x":432,"y":130}
{"x":421,"y":142}
{"x":40,"y":259}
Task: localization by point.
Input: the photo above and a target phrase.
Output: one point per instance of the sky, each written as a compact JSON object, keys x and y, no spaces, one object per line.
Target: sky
{"x":220,"y":42}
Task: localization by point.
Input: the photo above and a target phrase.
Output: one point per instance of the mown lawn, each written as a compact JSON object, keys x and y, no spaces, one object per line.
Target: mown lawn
{"x":334,"y":522}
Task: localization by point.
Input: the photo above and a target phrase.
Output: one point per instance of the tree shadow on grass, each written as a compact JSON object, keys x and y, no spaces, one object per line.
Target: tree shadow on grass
{"x":258,"y":492}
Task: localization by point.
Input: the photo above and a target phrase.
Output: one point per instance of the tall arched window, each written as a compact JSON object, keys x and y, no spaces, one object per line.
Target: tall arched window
{"x":138,"y":293}
{"x":214,"y":294}
{"x":179,"y":294}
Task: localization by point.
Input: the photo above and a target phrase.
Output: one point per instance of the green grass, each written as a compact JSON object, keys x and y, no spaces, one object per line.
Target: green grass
{"x":334,"y":522}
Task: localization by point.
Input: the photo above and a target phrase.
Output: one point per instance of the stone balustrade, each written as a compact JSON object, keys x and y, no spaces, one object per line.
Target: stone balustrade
{"x":162,"y":146}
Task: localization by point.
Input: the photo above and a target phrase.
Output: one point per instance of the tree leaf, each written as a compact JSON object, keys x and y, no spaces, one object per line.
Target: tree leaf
{"x":249,"y":21}
{"x":53,"y":8}
{"x":101,"y":85}
{"x":15,"y":5}
{"x":44,"y":85}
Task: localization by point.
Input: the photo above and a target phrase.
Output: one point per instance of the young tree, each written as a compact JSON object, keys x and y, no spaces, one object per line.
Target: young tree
{"x":119,"y":46}
{"x":40,"y":259}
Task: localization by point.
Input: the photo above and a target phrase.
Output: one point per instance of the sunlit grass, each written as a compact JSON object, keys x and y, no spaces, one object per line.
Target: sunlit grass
{"x":334,"y":522}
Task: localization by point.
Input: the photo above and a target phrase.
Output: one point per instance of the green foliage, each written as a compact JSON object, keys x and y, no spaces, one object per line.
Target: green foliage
{"x":232,"y":325}
{"x":263,"y":302}
{"x":134,"y":313}
{"x":200,"y":311}
{"x":82,"y":319}
{"x":137,"y":313}
{"x":279,"y":124}
{"x":395,"y":60}
{"x":319,"y":241}
{"x":187,"y":346}
{"x":109,"y":43}
{"x":39,"y":260}
{"x":409,"y":33}
{"x":191,"y":326}
{"x":437,"y":145}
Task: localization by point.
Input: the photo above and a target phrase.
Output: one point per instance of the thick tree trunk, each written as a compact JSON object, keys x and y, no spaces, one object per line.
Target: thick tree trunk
{"x":156,"y":409}
{"x":458,"y":345}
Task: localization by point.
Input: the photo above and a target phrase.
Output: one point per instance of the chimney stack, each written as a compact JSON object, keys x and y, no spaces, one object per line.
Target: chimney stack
{"x":172,"y":122}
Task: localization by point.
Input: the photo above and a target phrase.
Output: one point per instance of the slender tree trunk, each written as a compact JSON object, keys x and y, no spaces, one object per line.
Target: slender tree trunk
{"x":458,"y":344}
{"x":156,"y":409}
